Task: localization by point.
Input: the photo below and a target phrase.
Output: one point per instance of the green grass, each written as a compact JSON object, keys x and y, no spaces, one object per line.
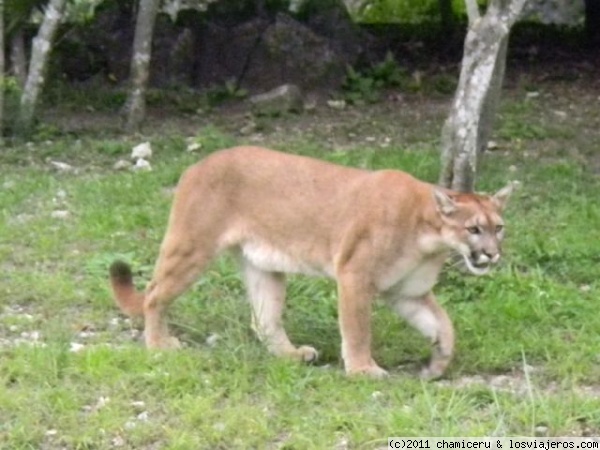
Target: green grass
{"x":530,"y":329}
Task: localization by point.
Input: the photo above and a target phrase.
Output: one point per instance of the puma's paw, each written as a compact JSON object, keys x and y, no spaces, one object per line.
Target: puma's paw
{"x":307,"y":354}
{"x":166,"y":343}
{"x":372,"y":370}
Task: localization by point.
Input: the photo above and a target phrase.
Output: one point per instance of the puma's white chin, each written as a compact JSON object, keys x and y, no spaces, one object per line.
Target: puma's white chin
{"x":480,"y":269}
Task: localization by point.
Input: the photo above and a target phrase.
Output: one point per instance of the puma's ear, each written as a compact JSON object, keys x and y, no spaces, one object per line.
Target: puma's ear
{"x":501,"y":197}
{"x":444,"y":202}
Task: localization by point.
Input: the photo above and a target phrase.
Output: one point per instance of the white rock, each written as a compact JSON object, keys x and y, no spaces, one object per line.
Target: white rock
{"x":60,"y":214}
{"x":142,"y":165}
{"x":560,"y":114}
{"x":31,"y":335}
{"x":102,"y":402}
{"x":121,"y":165}
{"x":86,"y":334}
{"x":211,"y":340}
{"x":193,"y":146}
{"x":336,"y":104}
{"x":76,"y":347}
{"x":376,"y":394}
{"x":142,"y":151}
{"x":249,"y":128}
{"x":492,"y":145}
{"x":118,"y":442}
{"x":64,"y":167}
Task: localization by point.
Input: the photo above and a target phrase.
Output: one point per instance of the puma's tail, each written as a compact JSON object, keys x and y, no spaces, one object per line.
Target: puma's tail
{"x":127,"y":297}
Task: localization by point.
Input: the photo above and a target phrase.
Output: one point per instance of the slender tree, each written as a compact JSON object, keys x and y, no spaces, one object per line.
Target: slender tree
{"x":40,"y":52}
{"x":140,"y":63}
{"x":467,"y":129}
{"x":17,"y":13}
{"x":18,"y":58}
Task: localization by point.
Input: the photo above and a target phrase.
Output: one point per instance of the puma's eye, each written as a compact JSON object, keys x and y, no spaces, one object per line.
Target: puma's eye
{"x":499,"y":228}
{"x":474,"y":230}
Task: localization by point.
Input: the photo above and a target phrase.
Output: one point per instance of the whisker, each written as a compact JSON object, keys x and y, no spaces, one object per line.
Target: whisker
{"x":454,"y":262}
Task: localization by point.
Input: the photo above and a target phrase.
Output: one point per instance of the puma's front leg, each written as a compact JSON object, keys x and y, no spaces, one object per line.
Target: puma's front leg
{"x":428,"y":317}
{"x":355,"y":298}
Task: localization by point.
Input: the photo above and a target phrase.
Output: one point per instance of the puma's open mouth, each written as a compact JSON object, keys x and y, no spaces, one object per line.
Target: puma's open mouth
{"x":477,"y":268}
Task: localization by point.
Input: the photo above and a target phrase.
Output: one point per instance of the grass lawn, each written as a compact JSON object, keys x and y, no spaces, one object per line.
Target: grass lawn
{"x":73,"y":372}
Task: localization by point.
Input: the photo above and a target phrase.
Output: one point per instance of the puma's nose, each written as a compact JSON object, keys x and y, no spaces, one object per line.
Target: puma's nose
{"x":487,"y":256}
{"x":492,"y":257}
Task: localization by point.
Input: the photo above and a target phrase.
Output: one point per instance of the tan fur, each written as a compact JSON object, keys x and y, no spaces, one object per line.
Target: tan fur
{"x":376,"y":233}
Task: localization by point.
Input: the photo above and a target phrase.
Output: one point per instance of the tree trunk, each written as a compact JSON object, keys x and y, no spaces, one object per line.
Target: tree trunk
{"x":140,"y":63}
{"x":40,"y":51}
{"x":468,"y":127}
{"x":18,"y":59}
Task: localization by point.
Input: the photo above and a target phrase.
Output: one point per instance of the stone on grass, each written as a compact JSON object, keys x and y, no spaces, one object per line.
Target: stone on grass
{"x":193,"y":146}
{"x":76,"y":347}
{"x":336,"y":104}
{"x":142,"y":151}
{"x":138,"y":404}
{"x":61,"y":166}
{"x":492,"y":145}
{"x":60,"y":214}
{"x":281,"y":100}
{"x":212,"y":339}
{"x":121,"y":165}
{"x":249,"y":128}
{"x":142,"y":165}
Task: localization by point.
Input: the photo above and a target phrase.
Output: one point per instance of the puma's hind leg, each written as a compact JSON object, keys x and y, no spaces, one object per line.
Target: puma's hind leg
{"x":266,"y":292}
{"x":176,"y":270}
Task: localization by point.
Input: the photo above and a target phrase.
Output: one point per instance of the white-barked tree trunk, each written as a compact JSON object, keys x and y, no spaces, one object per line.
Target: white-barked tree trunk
{"x":40,"y":52}
{"x":135,"y":108}
{"x":467,"y":129}
{"x":18,"y":58}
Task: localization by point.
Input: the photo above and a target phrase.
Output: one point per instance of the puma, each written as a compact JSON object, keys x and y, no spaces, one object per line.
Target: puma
{"x":375,"y":232}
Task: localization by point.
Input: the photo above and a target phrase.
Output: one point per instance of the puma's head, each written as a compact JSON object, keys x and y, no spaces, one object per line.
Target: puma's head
{"x":473,"y":226}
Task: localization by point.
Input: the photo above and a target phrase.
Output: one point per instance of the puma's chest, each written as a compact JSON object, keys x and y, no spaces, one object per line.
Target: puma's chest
{"x":410,"y":279}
